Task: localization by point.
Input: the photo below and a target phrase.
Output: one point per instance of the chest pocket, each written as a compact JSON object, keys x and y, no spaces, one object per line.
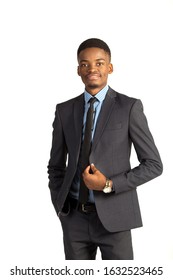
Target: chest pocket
{"x":113,"y":126}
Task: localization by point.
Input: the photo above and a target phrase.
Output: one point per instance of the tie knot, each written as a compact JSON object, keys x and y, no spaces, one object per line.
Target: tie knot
{"x":92,"y":100}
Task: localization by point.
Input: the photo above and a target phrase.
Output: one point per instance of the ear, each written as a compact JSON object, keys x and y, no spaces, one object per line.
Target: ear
{"x":78,"y":71}
{"x":111,"y":68}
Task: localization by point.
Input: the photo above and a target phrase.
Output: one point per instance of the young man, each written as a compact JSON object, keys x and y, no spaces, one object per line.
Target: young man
{"x":93,"y":187}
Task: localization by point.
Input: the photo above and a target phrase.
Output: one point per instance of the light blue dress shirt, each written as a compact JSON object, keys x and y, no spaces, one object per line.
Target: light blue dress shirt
{"x":74,"y":192}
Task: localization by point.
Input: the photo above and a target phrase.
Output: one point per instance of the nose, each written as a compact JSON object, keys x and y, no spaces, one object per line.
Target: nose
{"x":92,"y":68}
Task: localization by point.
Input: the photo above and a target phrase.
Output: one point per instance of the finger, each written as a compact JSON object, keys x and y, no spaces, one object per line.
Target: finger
{"x":93,"y":168}
{"x":87,"y":169}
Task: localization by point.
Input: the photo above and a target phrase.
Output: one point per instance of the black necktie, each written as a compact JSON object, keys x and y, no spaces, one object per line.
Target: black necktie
{"x":86,"y":148}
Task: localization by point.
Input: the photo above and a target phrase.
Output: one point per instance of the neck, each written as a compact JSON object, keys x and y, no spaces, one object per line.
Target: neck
{"x":93,"y":91}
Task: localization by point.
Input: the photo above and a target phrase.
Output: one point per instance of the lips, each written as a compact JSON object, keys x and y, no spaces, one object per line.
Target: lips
{"x":93,"y":76}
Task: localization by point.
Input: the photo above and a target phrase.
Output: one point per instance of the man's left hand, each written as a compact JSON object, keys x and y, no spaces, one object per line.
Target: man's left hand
{"x":96,"y":180}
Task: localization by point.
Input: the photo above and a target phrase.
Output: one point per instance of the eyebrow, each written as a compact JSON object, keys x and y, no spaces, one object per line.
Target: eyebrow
{"x":98,"y":59}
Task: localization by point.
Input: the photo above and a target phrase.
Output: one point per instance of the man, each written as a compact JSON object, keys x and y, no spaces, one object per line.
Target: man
{"x":93,"y":187}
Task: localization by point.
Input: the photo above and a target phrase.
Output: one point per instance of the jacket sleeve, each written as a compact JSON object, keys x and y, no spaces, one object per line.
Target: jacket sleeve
{"x":58,"y":157}
{"x":150,"y":165}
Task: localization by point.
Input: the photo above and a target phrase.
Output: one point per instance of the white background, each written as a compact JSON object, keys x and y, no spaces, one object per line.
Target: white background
{"x":38,"y":67}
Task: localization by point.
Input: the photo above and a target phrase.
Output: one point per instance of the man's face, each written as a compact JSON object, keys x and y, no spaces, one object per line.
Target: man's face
{"x":94,"y":67}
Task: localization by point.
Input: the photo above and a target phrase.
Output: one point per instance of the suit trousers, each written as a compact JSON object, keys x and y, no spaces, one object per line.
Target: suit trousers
{"x":83,"y":233}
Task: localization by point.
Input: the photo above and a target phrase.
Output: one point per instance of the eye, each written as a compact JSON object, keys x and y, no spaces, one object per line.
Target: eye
{"x":84,"y":65}
{"x":100,"y":63}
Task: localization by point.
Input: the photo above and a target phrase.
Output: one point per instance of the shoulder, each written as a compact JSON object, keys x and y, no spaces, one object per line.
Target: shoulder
{"x":69,"y":103}
{"x":121,"y":99}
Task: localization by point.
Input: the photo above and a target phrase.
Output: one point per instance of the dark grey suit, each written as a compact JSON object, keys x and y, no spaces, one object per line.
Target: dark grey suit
{"x":121,"y":122}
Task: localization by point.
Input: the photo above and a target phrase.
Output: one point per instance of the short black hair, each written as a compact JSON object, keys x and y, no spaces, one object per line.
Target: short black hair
{"x":94,"y":43}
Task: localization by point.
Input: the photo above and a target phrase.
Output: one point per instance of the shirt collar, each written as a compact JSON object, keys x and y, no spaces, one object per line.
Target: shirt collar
{"x":100,"y":95}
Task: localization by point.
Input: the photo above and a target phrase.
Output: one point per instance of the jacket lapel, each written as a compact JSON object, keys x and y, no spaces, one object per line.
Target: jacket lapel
{"x":108,"y":105}
{"x":78,"y":121}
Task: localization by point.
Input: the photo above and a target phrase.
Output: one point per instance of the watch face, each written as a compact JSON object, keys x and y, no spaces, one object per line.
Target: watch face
{"x":107,"y":190}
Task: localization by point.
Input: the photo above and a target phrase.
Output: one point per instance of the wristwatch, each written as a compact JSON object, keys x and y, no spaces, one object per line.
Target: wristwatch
{"x":107,"y":188}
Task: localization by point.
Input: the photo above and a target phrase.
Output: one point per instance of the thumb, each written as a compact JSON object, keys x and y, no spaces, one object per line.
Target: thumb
{"x":93,"y":168}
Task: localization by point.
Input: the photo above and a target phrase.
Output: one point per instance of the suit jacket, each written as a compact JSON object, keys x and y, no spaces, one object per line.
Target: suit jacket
{"x":121,"y":122}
